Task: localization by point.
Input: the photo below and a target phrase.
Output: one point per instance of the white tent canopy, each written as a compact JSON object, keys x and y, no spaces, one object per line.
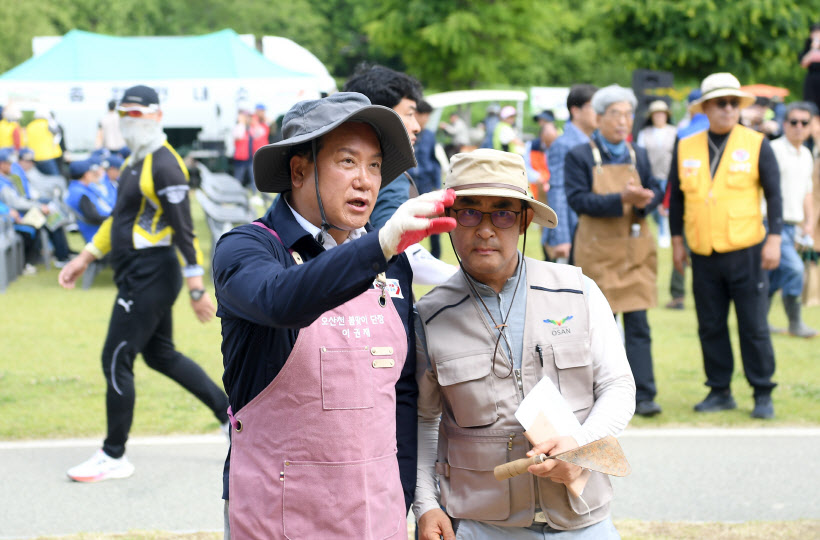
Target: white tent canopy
{"x":289,"y":54}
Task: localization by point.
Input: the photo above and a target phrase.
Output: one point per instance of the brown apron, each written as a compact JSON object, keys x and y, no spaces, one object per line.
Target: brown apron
{"x":623,"y":263}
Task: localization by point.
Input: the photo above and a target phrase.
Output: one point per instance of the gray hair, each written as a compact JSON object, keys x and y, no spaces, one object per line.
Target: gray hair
{"x":807,"y":106}
{"x":613,"y":93}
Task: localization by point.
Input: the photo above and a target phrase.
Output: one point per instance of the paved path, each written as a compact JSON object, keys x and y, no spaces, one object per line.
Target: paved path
{"x":678,"y":475}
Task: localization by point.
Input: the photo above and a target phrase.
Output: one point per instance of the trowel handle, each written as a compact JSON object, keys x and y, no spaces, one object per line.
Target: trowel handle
{"x":519,"y":466}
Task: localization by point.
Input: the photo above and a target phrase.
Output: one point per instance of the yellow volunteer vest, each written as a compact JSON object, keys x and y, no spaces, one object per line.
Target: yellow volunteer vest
{"x":7,"y":133}
{"x":721,"y":214}
{"x":41,"y":140}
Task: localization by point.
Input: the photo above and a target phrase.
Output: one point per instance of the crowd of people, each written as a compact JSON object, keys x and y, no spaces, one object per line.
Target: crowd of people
{"x":38,"y":197}
{"x":347,"y":401}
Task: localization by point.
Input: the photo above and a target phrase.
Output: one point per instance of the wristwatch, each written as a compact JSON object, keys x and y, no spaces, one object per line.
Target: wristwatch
{"x":196,"y":294}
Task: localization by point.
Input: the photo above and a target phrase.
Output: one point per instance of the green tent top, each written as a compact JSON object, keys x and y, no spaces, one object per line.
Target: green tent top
{"x":85,"y":56}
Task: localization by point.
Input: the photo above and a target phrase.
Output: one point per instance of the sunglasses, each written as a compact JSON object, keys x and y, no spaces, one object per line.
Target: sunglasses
{"x":721,"y":103}
{"x":470,"y":217}
{"x":135,"y":111}
{"x":804,"y":123}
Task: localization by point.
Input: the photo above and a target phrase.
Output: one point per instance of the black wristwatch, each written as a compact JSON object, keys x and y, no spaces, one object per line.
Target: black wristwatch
{"x":196,"y":294}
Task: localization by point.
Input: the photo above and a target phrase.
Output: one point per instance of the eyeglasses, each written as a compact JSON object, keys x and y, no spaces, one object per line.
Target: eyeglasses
{"x":804,"y":123}
{"x":614,"y":113}
{"x":470,"y":217}
{"x":721,"y":103}
{"x":135,"y":111}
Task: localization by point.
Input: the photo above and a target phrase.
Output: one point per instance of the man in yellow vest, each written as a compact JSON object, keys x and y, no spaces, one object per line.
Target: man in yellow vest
{"x":11,"y":134}
{"x":716,"y":178}
{"x":42,"y":139}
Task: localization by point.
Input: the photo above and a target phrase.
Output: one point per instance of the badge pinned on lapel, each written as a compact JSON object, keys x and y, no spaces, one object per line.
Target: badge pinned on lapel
{"x":393,"y":288}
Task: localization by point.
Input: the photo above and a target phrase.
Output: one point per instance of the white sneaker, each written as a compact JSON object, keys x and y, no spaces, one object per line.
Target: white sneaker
{"x":29,"y":270}
{"x":100,"y":467}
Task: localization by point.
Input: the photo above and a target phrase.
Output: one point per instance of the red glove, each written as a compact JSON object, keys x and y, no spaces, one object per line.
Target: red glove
{"x":412,"y":222}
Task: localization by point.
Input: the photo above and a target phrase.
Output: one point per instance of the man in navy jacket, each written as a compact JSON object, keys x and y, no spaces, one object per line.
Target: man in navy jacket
{"x":328,"y":179}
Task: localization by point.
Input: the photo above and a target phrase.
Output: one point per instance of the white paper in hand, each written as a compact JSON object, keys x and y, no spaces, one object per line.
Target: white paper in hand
{"x":546,"y":398}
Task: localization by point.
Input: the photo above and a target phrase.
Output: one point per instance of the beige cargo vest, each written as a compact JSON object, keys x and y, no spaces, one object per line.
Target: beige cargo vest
{"x":478,"y":428}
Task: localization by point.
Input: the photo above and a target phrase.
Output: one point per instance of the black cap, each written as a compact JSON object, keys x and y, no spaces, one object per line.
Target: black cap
{"x":544,"y":115}
{"x":141,"y":95}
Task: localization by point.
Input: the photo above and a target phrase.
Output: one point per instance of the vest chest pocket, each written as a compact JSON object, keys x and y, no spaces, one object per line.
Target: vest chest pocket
{"x":574,"y":375}
{"x":739,"y":176}
{"x":689,"y":181}
{"x":467,"y":384}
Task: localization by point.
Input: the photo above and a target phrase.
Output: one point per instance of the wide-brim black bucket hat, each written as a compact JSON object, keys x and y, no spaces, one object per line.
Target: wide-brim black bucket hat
{"x":309,"y":120}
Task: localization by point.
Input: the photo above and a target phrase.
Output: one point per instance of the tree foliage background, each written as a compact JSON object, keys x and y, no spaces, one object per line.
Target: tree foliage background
{"x":450,"y":44}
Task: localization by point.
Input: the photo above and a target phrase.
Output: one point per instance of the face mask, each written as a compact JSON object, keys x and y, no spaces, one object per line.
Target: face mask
{"x":139,"y":132}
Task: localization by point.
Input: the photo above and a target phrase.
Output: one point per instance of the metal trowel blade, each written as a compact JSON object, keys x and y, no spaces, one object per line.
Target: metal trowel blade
{"x":604,"y":455}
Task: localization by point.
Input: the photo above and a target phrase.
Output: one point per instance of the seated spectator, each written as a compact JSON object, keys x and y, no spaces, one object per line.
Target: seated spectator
{"x":25,"y":162}
{"x":22,"y":198}
{"x":85,"y":199}
{"x":31,"y":240}
{"x":8,"y":194}
{"x":109,"y":179}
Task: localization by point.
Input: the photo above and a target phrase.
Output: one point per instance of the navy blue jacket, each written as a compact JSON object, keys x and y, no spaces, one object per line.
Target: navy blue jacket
{"x":427,"y":174}
{"x":265,"y":298}
{"x":578,"y":181}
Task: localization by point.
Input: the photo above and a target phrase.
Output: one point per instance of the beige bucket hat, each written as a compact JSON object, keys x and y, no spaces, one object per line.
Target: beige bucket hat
{"x":720,"y":85}
{"x":658,"y":105}
{"x":493,"y":173}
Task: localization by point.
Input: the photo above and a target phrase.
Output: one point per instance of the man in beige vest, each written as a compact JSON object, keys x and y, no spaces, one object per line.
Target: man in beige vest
{"x":483,"y":340}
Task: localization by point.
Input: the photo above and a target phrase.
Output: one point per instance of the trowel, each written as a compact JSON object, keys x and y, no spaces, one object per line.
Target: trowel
{"x":604,"y":456}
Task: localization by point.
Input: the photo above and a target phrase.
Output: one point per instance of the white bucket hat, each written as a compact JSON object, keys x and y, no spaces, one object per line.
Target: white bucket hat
{"x":493,"y":173}
{"x":721,"y":85}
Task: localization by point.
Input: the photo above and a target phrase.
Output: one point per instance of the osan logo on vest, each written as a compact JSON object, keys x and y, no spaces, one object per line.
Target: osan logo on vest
{"x":560,"y":324}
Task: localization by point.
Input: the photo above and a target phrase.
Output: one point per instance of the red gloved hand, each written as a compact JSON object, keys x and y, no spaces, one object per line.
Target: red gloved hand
{"x":412,"y":222}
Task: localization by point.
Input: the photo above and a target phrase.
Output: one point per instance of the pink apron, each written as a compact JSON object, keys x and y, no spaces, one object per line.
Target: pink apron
{"x":313,"y":456}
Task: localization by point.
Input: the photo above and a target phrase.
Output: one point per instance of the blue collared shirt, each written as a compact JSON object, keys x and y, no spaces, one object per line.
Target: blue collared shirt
{"x":557,"y":196}
{"x":500,"y":310}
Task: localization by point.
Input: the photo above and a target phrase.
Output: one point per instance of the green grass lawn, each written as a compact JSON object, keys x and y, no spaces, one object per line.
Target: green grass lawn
{"x":51,"y":383}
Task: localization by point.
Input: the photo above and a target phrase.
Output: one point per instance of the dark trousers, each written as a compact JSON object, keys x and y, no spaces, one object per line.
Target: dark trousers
{"x":243,"y":171}
{"x":677,"y":287}
{"x":721,"y":278}
{"x":48,"y":167}
{"x":60,"y":243}
{"x":638,"y":345}
{"x":141,"y":323}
